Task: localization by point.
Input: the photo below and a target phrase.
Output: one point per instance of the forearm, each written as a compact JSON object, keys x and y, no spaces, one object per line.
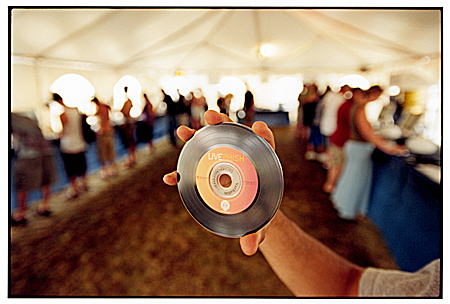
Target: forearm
{"x":306,"y":266}
{"x":378,"y":142}
{"x":369,"y":135}
{"x":384,"y":145}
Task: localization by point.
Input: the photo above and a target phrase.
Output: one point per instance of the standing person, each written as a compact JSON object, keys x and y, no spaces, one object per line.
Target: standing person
{"x":198,"y":106}
{"x":249,"y":108}
{"x":338,"y":139}
{"x":351,"y":196}
{"x":301,"y":131}
{"x":172,"y":113}
{"x":127,"y":131}
{"x":317,"y":141}
{"x":105,"y":140}
{"x":73,"y":148}
{"x":227,"y":103}
{"x":183,"y":108}
{"x":145,"y":125}
{"x":308,"y":102}
{"x":224,"y":103}
{"x":33,"y":167}
{"x":333,"y":119}
{"x":221,"y":105}
{"x":331,"y":103}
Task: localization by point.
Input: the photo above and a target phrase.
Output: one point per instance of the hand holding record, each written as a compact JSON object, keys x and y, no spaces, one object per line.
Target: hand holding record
{"x":250,"y":241}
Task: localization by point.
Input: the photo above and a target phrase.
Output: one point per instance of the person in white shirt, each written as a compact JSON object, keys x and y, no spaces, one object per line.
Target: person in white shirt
{"x":73,"y":147}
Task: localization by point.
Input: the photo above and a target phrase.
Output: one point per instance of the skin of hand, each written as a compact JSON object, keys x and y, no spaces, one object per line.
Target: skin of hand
{"x":249,"y":243}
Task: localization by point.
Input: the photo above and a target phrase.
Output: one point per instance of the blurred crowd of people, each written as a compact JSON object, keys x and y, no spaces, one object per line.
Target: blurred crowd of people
{"x":333,"y":125}
{"x":187,"y":110}
{"x":338,"y":134}
{"x":34,"y":163}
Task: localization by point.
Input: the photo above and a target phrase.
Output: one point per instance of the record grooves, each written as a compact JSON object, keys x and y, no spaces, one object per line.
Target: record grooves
{"x":230,"y":179}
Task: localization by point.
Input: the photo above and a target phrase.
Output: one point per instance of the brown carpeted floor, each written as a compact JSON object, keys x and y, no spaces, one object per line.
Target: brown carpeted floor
{"x":132,"y":236}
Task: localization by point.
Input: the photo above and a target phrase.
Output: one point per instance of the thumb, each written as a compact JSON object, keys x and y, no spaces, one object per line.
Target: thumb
{"x":249,"y":243}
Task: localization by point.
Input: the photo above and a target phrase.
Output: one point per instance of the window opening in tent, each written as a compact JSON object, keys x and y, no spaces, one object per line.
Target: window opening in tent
{"x":422,"y":108}
{"x":284,"y":92}
{"x":394,"y":90}
{"x":235,"y":87}
{"x":120,"y":96}
{"x":354,"y":81}
{"x":76,"y":92}
{"x":176,"y":86}
{"x":432,"y":118}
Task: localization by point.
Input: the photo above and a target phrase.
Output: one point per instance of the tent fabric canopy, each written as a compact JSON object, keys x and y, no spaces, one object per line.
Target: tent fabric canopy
{"x":209,"y":40}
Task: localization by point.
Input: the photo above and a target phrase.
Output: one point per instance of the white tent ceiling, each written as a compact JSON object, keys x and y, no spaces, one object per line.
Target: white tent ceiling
{"x":227,"y":40}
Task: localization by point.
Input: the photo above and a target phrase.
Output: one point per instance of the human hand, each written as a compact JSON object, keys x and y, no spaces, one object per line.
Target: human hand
{"x":249,"y":243}
{"x":402,"y":151}
{"x":398,"y":150}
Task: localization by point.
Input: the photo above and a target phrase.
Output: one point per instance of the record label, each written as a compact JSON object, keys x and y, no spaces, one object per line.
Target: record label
{"x":226,"y":180}
{"x":230,"y":179}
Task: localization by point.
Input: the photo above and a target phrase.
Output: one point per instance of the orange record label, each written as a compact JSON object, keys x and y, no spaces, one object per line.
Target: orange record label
{"x":226,"y":180}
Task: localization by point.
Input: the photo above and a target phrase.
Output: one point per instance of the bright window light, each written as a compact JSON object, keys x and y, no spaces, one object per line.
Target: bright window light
{"x":234,"y":86}
{"x":55,"y":111}
{"x":133,"y":93}
{"x":285,"y":91}
{"x":178,"y":83}
{"x":354,"y":81}
{"x":394,"y":90}
{"x":432,"y":117}
{"x":76,"y":92}
{"x":373,"y":110}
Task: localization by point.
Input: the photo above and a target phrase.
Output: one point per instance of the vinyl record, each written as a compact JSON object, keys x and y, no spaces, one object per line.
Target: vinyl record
{"x":230,"y":179}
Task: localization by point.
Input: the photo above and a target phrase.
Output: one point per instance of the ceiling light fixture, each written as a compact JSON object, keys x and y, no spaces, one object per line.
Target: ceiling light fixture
{"x":267,"y":50}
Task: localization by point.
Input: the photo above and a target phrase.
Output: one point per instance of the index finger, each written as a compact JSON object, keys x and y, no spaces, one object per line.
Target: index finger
{"x":213,"y":118}
{"x":263,"y":130}
{"x":184,"y":133}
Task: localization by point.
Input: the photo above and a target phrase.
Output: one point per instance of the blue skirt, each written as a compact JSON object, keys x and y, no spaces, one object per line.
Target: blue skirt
{"x":351,"y":195}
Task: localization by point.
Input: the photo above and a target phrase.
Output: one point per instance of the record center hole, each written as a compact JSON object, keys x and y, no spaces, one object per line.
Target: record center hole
{"x":225,"y":180}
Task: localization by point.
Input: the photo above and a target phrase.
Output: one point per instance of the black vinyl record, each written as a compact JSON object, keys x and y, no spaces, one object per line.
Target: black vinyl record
{"x":230,"y":179}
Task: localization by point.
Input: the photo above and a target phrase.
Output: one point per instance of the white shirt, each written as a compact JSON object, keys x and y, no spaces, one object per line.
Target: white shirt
{"x":331,"y":103}
{"x":394,"y":283}
{"x":72,"y":140}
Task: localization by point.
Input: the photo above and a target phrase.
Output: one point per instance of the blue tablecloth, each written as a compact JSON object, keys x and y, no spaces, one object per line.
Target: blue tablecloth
{"x":407,"y":207}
